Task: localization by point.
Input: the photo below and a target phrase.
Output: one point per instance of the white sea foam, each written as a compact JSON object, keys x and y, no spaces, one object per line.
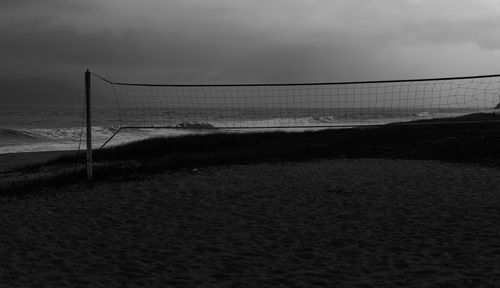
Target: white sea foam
{"x":60,"y":139}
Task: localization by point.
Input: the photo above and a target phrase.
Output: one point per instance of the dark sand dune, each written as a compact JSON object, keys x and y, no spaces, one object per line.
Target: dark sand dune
{"x":14,"y":160}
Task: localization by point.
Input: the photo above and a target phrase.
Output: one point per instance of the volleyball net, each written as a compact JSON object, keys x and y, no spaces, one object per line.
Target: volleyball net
{"x":300,"y":105}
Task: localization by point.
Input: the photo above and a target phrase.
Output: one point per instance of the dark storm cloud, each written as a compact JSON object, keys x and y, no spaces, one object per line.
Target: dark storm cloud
{"x":194,"y":41}
{"x":38,"y":91}
{"x":9,"y":4}
{"x":56,"y":6}
{"x":480,"y":33}
{"x":70,"y":47}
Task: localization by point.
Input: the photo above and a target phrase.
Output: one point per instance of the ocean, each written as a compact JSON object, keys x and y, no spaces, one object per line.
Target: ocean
{"x":29,"y":129}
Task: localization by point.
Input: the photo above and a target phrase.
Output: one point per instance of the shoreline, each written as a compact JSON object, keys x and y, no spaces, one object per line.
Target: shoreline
{"x":475,"y":144}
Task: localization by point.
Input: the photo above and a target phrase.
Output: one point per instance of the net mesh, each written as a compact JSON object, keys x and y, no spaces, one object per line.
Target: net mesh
{"x":301,"y":105}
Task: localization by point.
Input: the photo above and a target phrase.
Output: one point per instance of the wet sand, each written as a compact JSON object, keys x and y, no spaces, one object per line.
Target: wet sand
{"x":328,"y":223}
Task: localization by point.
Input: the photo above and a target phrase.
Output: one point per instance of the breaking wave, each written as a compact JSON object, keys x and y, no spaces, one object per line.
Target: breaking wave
{"x":262,"y":123}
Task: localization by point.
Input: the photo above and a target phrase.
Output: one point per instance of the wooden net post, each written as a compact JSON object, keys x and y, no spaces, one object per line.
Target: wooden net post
{"x":89,"y":125}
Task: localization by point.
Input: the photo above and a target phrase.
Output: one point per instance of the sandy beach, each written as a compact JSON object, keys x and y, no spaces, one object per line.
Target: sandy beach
{"x":323,"y":223}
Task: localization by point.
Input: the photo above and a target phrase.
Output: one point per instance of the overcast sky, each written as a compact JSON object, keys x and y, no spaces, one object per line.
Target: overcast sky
{"x":48,"y":44}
